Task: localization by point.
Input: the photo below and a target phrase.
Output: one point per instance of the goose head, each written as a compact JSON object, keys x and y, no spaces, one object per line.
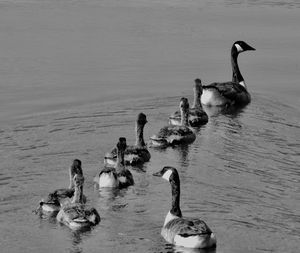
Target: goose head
{"x":141,"y":119}
{"x":184,"y":104}
{"x":168,"y":173}
{"x":241,"y":46}
{"x":139,"y":128}
{"x":121,"y":145}
{"x":198,"y":87}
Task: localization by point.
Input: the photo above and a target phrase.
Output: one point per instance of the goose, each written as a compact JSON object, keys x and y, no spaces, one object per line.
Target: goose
{"x":197,"y":116}
{"x":136,"y":154}
{"x":173,"y":135}
{"x":74,"y":214}
{"x":184,"y":232}
{"x":118,"y":177}
{"x":229,"y":93}
{"x":58,"y":197}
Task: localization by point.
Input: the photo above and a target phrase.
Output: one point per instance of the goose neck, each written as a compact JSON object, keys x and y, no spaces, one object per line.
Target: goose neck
{"x":184,"y":116}
{"x":78,"y":195}
{"x":236,"y":73}
{"x":120,"y":160}
{"x":139,"y":129}
{"x":197,"y":98}
{"x":175,"y":209}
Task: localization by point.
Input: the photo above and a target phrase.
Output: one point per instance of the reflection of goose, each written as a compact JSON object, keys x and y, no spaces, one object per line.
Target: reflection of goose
{"x":58,"y":197}
{"x":118,"y":177}
{"x":229,"y":93}
{"x":172,"y":135}
{"x":185,"y":232}
{"x":74,"y":214}
{"x":136,"y":154}
{"x":197,"y":116}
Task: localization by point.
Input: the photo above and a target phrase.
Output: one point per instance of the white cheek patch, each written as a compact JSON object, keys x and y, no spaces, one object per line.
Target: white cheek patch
{"x":242,"y":83}
{"x":239,"y":48}
{"x":167,"y":175}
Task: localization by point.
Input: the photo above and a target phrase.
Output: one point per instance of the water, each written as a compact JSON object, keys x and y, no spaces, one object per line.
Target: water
{"x":75,"y":74}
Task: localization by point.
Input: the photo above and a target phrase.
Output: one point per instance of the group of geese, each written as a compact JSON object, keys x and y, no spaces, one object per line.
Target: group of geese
{"x":69,"y":204}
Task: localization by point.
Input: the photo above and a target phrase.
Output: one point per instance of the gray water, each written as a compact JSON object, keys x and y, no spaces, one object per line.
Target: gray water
{"x":74,"y":75}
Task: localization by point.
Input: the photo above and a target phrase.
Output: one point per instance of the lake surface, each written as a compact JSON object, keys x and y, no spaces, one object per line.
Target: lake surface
{"x":74,"y":76}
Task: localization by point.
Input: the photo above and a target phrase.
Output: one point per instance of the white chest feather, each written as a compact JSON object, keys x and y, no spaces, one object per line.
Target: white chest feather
{"x":211,"y":97}
{"x":169,"y":217}
{"x":107,"y":180}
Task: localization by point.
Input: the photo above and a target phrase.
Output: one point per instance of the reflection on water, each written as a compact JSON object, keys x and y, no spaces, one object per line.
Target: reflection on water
{"x":274,"y":3}
{"x":177,"y":249}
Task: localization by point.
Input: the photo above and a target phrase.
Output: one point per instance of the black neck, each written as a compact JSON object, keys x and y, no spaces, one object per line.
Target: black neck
{"x":120,"y":160}
{"x":184,"y":117}
{"x":140,"y":135}
{"x":236,"y":74}
{"x":175,"y":210}
{"x":197,"y":98}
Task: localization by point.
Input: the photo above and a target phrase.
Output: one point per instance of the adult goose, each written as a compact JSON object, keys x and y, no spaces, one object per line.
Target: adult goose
{"x":75,"y":215}
{"x":118,"y":177}
{"x":197,"y":116}
{"x":229,"y":93}
{"x":173,"y":135}
{"x":136,"y":154}
{"x":58,"y":197}
{"x":185,"y":232}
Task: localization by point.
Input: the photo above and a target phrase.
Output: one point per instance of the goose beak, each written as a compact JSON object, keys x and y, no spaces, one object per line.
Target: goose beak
{"x":157,"y":174}
{"x":248,"y":48}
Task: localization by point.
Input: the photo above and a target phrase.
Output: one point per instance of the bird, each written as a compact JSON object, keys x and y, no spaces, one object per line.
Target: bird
{"x":136,"y":154}
{"x":197,"y":116}
{"x":55,"y":199}
{"x":174,"y":135}
{"x":119,"y":176}
{"x":75,"y":215}
{"x":184,"y":232}
{"x":233,"y":92}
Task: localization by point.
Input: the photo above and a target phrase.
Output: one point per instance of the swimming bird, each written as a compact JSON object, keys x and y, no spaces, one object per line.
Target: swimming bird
{"x":118,"y":177}
{"x":58,"y":197}
{"x":197,"y":116}
{"x":173,"y":135}
{"x":229,"y":93}
{"x":75,"y":215}
{"x":185,"y":232}
{"x":136,"y":154}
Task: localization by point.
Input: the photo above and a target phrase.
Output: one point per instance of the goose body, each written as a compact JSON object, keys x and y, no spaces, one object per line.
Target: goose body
{"x":197,"y":116}
{"x":233,"y":92}
{"x":135,"y":154}
{"x":58,"y":197}
{"x":174,"y":135}
{"x":118,"y":177}
{"x":75,"y":215}
{"x":184,"y":232}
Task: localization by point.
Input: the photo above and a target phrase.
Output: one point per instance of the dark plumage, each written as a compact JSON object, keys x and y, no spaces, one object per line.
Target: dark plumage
{"x":233,"y":92}
{"x":186,"y":232}
{"x":173,"y":135}
{"x":135,"y":154}
{"x":75,"y":215}
{"x":197,"y":116}
{"x":118,"y":177}
{"x":58,"y":197}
